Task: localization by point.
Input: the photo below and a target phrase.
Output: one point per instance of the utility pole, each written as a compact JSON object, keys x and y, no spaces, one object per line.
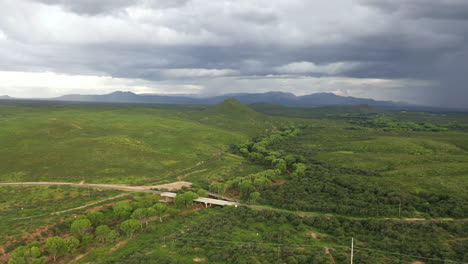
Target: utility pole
{"x":352,"y":249}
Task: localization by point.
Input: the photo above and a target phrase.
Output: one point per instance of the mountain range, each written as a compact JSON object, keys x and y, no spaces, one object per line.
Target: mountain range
{"x":280,"y":98}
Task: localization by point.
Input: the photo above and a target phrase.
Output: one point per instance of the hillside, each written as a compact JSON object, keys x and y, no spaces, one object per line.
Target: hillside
{"x":118,"y":144}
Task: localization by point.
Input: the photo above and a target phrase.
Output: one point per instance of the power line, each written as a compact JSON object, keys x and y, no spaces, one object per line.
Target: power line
{"x":321,"y":246}
{"x":413,"y":256}
{"x":255,"y":243}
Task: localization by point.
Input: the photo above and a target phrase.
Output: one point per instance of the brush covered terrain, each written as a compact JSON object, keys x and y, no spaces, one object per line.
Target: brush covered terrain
{"x":313,"y":178}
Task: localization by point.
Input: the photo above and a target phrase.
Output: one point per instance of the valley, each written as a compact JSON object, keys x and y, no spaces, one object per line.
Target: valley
{"x":306,"y":182}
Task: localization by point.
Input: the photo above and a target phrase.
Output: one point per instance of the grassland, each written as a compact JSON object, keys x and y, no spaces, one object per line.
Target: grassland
{"x":118,"y":145}
{"x":435,"y":162}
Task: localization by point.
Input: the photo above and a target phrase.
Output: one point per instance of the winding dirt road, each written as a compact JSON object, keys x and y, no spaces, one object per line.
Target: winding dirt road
{"x":148,"y":189}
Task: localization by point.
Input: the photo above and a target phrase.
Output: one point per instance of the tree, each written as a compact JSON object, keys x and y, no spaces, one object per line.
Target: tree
{"x":299,"y":169}
{"x":150,"y":212}
{"x":27,"y":254}
{"x":35,"y":252}
{"x":140,"y":214}
{"x":254,"y":197}
{"x":87,"y":239}
{"x":80,"y":226}
{"x":246,"y":188}
{"x":280,"y":164}
{"x":130,"y":226}
{"x":112,"y":236}
{"x":56,"y":246}
{"x":202,"y":193}
{"x":102,"y":231}
{"x":218,"y":187}
{"x":72,"y":244}
{"x":148,"y":200}
{"x":160,"y":210}
{"x":135,"y":205}
{"x":185,"y":199}
{"x":172,"y":211}
{"x":122,"y":209}
{"x":261,"y":183}
{"x":96,"y":217}
{"x":20,"y":255}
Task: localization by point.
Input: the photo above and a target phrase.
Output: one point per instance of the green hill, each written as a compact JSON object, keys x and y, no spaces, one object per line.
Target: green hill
{"x":118,"y":144}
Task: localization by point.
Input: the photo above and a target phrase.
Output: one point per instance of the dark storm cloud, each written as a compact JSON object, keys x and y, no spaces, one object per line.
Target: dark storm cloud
{"x":374,"y":48}
{"x":90,"y":7}
{"x":428,"y":41}
{"x":442,"y":9}
{"x":95,"y":7}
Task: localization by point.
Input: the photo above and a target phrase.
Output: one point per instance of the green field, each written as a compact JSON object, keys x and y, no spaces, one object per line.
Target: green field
{"x":117,"y":145}
{"x":436,"y":162}
{"x":379,"y":176}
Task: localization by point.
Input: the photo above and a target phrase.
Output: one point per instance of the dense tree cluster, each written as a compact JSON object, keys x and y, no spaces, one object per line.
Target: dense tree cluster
{"x":258,"y":151}
{"x":318,"y":186}
{"x":254,"y":182}
{"x":347,"y":196}
{"x":424,"y":239}
{"x":278,"y":165}
{"x":31,"y":253}
{"x":216,"y":240}
{"x":352,"y":195}
{"x":393,"y":124}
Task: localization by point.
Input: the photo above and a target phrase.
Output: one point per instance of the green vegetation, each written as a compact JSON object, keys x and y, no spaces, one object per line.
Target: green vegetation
{"x":340,"y":172}
{"x":27,"y":254}
{"x":119,"y":144}
{"x":83,"y":231}
{"x":23,"y":210}
{"x":324,"y":112}
{"x":242,"y":235}
{"x":363,"y":171}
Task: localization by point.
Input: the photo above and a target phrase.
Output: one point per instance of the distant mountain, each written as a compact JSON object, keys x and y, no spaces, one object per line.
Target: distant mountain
{"x":5,"y":97}
{"x":280,"y":98}
{"x":127,"y":97}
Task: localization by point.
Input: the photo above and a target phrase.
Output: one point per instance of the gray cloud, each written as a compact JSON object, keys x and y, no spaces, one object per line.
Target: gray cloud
{"x":93,"y":7}
{"x":442,"y":9}
{"x":90,"y":7}
{"x":417,"y":49}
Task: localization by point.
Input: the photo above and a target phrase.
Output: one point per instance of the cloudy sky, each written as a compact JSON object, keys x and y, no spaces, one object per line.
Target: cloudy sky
{"x":408,"y":50}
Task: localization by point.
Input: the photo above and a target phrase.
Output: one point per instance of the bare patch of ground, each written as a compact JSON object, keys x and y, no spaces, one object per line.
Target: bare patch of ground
{"x":327,"y":251}
{"x":102,"y":206}
{"x":120,"y":244}
{"x":173,"y":186}
{"x":314,"y":235}
{"x":199,"y":259}
{"x":190,"y":173}
{"x":86,"y":205}
{"x":79,"y":257}
{"x":278,"y":182}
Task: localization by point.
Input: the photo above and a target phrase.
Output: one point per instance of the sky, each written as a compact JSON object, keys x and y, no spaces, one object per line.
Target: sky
{"x":402,"y":50}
